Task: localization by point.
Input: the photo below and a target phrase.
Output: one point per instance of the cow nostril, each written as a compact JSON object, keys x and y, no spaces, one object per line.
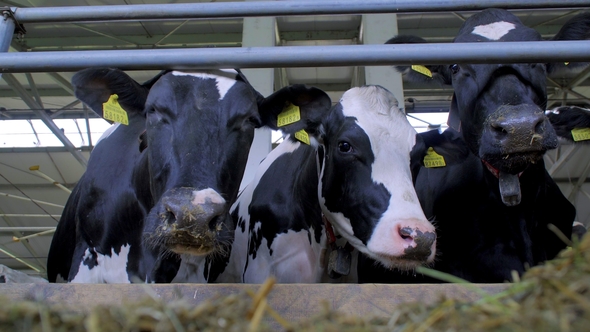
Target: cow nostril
{"x":499,"y":128}
{"x":539,"y":126}
{"x":406,"y":233}
{"x":215,"y":223}
{"x":169,"y":217}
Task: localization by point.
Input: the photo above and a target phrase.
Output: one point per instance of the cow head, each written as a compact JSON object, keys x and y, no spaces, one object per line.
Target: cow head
{"x":366,"y":188}
{"x":499,"y":108}
{"x":199,"y":129}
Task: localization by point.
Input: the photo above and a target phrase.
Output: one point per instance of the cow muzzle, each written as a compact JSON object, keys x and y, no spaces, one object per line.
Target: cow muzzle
{"x":406,"y":245}
{"x":516,"y":136}
{"x":190,"y":221}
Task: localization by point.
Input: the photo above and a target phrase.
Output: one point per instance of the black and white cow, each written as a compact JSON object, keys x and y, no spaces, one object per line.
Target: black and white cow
{"x":492,"y":210}
{"x":168,"y":178}
{"x":356,"y":172}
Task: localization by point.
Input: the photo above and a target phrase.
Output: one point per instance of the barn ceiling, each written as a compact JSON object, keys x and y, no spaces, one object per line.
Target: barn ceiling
{"x":49,"y":96}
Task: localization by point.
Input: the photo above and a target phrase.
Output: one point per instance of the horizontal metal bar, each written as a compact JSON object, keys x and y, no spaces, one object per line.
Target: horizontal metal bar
{"x":29,"y":215}
{"x":269,"y":8}
{"x":299,"y":56}
{"x":25,"y":229}
{"x":47,"y":232}
{"x":30,"y":200}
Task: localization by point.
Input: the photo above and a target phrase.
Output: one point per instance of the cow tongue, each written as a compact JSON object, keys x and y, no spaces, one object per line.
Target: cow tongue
{"x":509,"y":188}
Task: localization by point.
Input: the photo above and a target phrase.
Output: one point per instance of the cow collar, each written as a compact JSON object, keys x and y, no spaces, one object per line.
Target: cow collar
{"x":494,"y":170}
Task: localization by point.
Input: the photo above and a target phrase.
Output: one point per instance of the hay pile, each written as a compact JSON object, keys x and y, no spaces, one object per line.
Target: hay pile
{"x":552,"y":297}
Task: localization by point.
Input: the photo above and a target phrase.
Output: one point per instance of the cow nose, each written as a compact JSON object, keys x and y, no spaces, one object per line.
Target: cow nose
{"x":522,"y":128}
{"x":418,"y":244}
{"x":191,"y":209}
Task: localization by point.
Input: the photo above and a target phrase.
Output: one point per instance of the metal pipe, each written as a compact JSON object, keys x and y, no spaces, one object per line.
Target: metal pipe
{"x":8,"y":253}
{"x":31,"y":200}
{"x":299,"y":56}
{"x":47,"y":232}
{"x":47,"y":120}
{"x":6,"y":31}
{"x":30,"y":215}
{"x":25,"y":229}
{"x":48,"y":178}
{"x":269,"y":8}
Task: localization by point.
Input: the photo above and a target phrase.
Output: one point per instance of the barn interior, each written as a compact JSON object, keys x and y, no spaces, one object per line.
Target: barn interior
{"x":47,"y":135}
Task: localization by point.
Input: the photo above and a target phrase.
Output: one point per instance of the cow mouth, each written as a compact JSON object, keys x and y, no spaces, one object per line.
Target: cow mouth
{"x":411,"y":259}
{"x":513,"y":163}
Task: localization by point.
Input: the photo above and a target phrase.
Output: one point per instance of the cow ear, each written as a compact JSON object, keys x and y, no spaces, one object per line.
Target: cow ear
{"x":577,"y":28}
{"x":294,"y":108}
{"x":95,"y":86}
{"x":433,"y":149}
{"x":420,"y":73}
{"x":571,"y":123}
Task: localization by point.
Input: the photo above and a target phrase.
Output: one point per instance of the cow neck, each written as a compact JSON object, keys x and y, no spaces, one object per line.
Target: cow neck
{"x":331,"y":235}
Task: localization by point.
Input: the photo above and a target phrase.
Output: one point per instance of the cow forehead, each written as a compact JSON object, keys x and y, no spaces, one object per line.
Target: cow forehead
{"x":224,"y":78}
{"x":493,"y":31}
{"x":376,"y":112}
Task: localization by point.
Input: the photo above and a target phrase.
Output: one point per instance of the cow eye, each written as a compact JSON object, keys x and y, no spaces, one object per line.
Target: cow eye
{"x":454,"y":68}
{"x":344,"y":147}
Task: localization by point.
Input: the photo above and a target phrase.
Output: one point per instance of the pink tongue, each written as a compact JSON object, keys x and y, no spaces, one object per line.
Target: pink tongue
{"x":509,"y":188}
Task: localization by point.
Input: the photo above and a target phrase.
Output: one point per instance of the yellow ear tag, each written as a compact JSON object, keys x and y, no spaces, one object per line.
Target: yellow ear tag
{"x":290,"y":114}
{"x":303,"y":136}
{"x":111,"y":110}
{"x":422,"y":70}
{"x":581,"y":134}
{"x":433,"y":159}
{"x":566,"y":63}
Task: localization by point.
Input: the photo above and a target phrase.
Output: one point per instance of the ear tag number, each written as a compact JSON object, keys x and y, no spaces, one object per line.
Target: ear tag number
{"x":422,"y":70}
{"x":111,"y":110}
{"x":303,"y":136}
{"x":433,"y":159}
{"x":290,"y":114}
{"x":581,"y":134}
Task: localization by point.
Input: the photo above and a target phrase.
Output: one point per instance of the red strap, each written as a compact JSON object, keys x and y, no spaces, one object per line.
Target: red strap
{"x":329,"y":230}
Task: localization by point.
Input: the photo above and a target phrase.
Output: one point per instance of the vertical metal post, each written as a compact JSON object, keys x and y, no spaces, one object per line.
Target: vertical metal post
{"x":377,"y":29}
{"x":7,"y":26}
{"x":258,"y":31}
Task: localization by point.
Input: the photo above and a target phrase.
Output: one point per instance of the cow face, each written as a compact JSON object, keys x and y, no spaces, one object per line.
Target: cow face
{"x":199,"y":127}
{"x":366,"y":188}
{"x":499,"y":108}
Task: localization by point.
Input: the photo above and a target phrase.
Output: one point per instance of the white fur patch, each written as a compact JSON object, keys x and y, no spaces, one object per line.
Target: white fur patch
{"x":108,"y":132}
{"x":110,"y":269}
{"x":224,"y":78}
{"x":293,"y":259}
{"x":493,"y":31}
{"x":207,"y":196}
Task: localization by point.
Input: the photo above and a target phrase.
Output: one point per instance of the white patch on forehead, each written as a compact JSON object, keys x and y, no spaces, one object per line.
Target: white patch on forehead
{"x":493,"y":31}
{"x":207,"y":196}
{"x":109,"y":269}
{"x":108,"y":132}
{"x":224,"y":78}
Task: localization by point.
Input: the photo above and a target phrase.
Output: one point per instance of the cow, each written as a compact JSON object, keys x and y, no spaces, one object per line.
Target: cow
{"x":352,"y":178}
{"x":163,"y":184}
{"x":493,"y":210}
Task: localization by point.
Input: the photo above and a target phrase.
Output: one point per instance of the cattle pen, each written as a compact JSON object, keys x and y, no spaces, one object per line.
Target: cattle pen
{"x":272,"y":62}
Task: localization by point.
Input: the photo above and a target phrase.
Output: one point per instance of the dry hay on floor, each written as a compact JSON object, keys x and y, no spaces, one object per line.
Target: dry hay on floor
{"x":552,"y":297}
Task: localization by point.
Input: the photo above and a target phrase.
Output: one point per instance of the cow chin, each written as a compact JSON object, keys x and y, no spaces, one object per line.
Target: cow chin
{"x":403,"y":263}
